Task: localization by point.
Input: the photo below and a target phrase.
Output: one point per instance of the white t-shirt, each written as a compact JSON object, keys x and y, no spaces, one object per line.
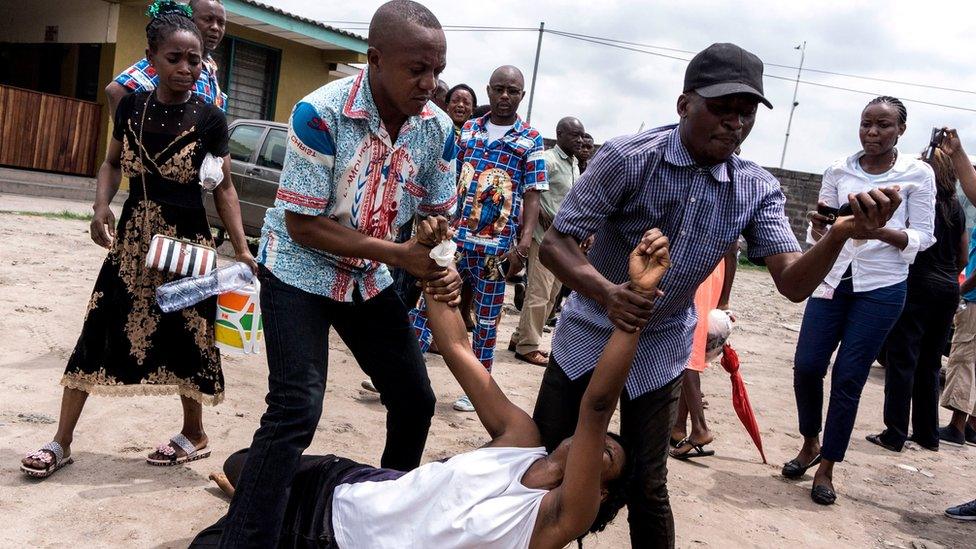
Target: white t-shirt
{"x":496,"y":132}
{"x":474,"y":500}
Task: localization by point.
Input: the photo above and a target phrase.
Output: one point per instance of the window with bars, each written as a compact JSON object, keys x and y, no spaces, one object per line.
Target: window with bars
{"x":248,"y":74}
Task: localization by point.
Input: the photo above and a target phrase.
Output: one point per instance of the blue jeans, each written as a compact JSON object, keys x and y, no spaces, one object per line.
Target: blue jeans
{"x":859,"y":322}
{"x":296,"y":328}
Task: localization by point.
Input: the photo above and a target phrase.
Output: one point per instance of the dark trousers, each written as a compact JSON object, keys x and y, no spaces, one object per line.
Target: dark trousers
{"x":308,"y":514}
{"x":859,"y":322}
{"x":645,"y":424}
{"x":296,"y":329}
{"x":913,"y":355}
{"x":405,"y":283}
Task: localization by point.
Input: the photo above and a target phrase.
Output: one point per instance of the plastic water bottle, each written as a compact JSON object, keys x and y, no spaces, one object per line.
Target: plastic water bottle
{"x":185,"y":292}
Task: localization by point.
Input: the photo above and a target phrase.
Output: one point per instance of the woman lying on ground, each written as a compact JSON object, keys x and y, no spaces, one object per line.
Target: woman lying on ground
{"x":509,"y":493}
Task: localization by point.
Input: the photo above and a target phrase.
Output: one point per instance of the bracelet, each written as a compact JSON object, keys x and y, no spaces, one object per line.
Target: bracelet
{"x":520,"y":254}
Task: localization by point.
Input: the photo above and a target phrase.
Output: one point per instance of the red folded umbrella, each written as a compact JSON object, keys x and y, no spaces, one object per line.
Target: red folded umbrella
{"x":740,"y":398}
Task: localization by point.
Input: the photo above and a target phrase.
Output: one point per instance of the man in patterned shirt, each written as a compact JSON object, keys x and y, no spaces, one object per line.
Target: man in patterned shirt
{"x":686,"y":181}
{"x":210,"y":18}
{"x":501,"y":167}
{"x":365,"y":154}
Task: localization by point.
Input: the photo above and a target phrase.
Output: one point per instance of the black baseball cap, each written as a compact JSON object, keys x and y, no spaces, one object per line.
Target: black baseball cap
{"x":725,"y":69}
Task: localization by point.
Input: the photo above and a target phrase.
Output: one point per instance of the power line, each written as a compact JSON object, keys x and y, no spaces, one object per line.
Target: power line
{"x":792,"y":67}
{"x":777,"y":77}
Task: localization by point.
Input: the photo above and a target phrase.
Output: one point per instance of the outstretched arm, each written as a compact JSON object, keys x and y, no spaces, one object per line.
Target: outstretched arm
{"x":573,"y":506}
{"x":506,"y":423}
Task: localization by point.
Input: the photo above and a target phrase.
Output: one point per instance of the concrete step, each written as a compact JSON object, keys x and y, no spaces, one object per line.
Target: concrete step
{"x":51,"y":185}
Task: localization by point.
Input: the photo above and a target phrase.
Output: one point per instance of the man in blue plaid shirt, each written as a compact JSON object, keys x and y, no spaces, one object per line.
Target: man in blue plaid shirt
{"x":685,"y":180}
{"x":501,"y":175}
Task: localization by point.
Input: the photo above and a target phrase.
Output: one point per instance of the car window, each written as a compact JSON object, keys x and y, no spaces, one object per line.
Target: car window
{"x":243,"y":140}
{"x":273,"y":152}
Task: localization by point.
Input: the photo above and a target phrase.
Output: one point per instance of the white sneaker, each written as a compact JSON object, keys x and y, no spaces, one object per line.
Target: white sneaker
{"x":368,"y":385}
{"x":463,"y":404}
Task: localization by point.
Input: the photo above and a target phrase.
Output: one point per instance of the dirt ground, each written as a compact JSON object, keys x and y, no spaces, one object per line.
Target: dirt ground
{"x":111,"y":498}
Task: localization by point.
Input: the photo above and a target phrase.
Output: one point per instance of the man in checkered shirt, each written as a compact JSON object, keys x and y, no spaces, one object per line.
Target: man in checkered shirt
{"x":502,"y":172}
{"x":685,"y":180}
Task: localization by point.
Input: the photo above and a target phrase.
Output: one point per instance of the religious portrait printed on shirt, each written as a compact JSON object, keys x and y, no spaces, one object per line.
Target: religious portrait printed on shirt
{"x":492,"y":204}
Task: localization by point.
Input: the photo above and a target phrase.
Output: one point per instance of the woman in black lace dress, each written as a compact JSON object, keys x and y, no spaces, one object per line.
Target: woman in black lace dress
{"x":128,"y":346}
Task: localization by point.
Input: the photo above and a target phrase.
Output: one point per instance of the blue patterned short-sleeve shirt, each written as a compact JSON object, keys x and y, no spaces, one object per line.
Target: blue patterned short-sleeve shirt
{"x":645,"y":181}
{"x":340,"y":162}
{"x":493,"y":178}
{"x":142,"y":77}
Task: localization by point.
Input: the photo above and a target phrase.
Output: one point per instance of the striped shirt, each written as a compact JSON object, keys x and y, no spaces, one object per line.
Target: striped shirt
{"x":648,"y":180}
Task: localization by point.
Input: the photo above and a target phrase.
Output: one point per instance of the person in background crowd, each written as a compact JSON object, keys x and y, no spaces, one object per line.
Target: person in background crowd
{"x":685,"y":180}
{"x":562,"y":171}
{"x":128,"y":346}
{"x":913,"y":351}
{"x":210,"y":19}
{"x":324,"y":253}
{"x":461,"y":102}
{"x":440,"y":95}
{"x":502,"y":172}
{"x":863,"y":295}
{"x":480,"y":111}
{"x":959,"y":394}
{"x":586,"y":152}
{"x":713,"y":293}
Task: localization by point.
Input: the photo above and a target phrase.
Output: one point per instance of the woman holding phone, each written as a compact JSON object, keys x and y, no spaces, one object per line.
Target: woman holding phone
{"x":863,"y":295}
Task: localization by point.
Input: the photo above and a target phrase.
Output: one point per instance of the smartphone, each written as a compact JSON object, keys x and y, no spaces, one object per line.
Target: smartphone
{"x":833,"y":213}
{"x":935,"y":141}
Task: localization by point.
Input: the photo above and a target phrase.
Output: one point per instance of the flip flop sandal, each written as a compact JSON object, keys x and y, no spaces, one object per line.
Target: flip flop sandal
{"x":52,"y":455}
{"x":823,"y":495}
{"x":876,"y":439}
{"x":675,"y":442}
{"x":167,"y":450}
{"x":794,"y":469}
{"x":696,"y":451}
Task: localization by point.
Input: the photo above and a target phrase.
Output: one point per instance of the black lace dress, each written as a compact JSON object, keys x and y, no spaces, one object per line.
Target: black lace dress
{"x":128,"y":346}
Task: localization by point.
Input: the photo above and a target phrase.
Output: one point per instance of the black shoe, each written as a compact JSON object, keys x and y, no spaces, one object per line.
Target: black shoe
{"x":876,"y":439}
{"x":966,"y":511}
{"x":823,"y":495}
{"x":970,"y":435}
{"x":928,"y":446}
{"x":794,"y":469}
{"x":950,"y":435}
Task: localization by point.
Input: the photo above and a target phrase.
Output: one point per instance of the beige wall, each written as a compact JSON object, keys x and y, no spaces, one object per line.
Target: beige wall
{"x":78,"y":21}
{"x":303,"y":68}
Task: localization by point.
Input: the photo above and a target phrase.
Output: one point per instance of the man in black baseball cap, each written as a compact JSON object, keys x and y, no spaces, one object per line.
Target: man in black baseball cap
{"x":687,"y":181}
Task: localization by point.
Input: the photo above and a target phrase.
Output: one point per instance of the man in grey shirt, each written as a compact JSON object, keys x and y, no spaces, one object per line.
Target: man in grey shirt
{"x":562,"y":169}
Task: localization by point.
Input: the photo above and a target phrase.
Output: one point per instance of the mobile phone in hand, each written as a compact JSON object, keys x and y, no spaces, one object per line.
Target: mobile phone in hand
{"x":833,"y":213}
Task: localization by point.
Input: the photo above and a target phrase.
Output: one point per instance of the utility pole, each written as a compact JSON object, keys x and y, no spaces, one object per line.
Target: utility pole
{"x":535,"y":72}
{"x":803,"y":51}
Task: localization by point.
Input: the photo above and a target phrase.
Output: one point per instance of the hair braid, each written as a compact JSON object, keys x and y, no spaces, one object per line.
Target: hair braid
{"x":168,"y":17}
{"x":894,"y":102}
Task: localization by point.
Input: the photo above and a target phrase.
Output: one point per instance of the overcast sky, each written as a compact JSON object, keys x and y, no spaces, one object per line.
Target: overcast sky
{"x":614,"y":91}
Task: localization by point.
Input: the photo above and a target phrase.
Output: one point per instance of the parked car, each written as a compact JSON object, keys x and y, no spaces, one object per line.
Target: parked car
{"x":257,"y":154}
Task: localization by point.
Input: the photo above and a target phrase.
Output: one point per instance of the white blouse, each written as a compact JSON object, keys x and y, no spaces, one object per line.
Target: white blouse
{"x":875,"y":264}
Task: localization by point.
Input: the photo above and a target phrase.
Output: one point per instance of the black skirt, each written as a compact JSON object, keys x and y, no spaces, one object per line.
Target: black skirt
{"x":128,"y":346}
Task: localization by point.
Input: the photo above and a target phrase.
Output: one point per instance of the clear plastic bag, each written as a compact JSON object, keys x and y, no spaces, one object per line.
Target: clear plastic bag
{"x":211,"y":172}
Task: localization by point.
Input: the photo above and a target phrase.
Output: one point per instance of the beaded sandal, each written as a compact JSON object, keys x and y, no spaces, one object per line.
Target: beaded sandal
{"x":169,"y":453}
{"x":52,"y":455}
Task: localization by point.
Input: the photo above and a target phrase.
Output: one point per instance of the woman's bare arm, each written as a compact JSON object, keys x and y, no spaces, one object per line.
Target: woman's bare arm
{"x":572,"y":507}
{"x":506,"y":423}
